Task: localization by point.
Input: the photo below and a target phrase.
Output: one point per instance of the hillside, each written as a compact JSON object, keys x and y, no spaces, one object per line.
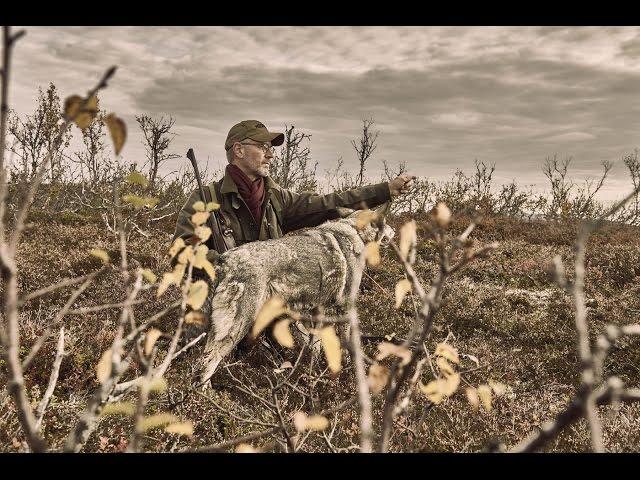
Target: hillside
{"x":504,"y":314}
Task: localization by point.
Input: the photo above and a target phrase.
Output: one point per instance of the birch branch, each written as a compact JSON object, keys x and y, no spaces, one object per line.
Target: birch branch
{"x":364,"y":397}
{"x":52,"y":288}
{"x":57,"y":320}
{"x":88,"y":420}
{"x":221,"y":447}
{"x":551,"y":429}
{"x":53,"y":379}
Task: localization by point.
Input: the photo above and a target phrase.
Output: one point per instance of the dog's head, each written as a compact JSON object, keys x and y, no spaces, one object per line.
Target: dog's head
{"x":369,"y":231}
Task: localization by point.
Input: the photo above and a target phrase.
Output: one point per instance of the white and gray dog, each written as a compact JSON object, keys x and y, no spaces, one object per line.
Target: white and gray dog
{"x":311,"y":268}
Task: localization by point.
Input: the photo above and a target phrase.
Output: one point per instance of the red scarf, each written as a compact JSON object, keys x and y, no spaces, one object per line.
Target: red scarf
{"x":252,"y":192}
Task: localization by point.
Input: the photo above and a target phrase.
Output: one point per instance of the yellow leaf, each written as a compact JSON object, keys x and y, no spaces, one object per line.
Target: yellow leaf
{"x":246,"y":448}
{"x":139,"y":202}
{"x":372,"y":253}
{"x":272,"y":308}
{"x":444,"y":366}
{"x":302,"y":422}
{"x":181,"y":428}
{"x":497,"y":387}
{"x":178,"y":272}
{"x":101,"y":254}
{"x":203,"y":233}
{"x":167,"y":280}
{"x":198,"y":206}
{"x":364,"y":218}
{"x":136,"y":178}
{"x":72,"y":106}
{"x":199,"y":218}
{"x":433,"y":391}
{"x":136,"y":201}
{"x":150,"y":339}
{"x":282,"y":334}
{"x":211,"y":206}
{"x":378,"y":377}
{"x":408,"y":238}
{"x":119,"y":408}
{"x":197,"y":294}
{"x":473,"y":398}
{"x":103,"y":369}
{"x":92,"y":104}
{"x":331,"y":344}
{"x":402,"y":288}
{"x":450,"y":384}
{"x":87,"y":113}
{"x":151,"y":201}
{"x":200,"y":261}
{"x":177,"y":245}
{"x":484,"y":392}
{"x":387,"y":348}
{"x":317,"y":423}
{"x":157,"y":420}
{"x":195,"y":317}
{"x":447,"y":351}
{"x":441,"y":214}
{"x":149,"y":275}
{"x":186,"y":255}
{"x":158,"y":385}
{"x":81,"y":115}
{"x":210,"y":270}
{"x":118,"y":131}
{"x":200,"y":256}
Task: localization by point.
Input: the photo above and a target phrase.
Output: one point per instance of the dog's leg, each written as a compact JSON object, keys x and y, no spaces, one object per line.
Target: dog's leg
{"x":233,"y":312}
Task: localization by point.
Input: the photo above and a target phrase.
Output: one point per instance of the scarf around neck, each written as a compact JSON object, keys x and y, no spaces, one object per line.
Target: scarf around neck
{"x":252,"y":192}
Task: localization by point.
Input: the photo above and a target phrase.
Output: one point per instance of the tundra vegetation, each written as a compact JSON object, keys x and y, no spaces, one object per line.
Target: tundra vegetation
{"x":500,"y":320}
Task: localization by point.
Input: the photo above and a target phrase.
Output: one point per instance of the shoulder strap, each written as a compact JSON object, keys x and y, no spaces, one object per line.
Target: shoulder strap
{"x":212,"y":192}
{"x":227,"y":234}
{"x":277,"y":206}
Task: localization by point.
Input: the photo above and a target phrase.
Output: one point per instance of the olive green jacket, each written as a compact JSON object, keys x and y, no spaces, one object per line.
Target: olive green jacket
{"x":283,"y":210}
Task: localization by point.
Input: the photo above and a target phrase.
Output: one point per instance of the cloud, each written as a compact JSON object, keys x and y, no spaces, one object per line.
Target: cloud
{"x":630,"y":48}
{"x":440,"y":96}
{"x":457,"y":119}
{"x":570,"y":137}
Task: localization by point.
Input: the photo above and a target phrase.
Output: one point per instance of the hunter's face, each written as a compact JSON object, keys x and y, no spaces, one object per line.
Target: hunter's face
{"x":255,"y":158}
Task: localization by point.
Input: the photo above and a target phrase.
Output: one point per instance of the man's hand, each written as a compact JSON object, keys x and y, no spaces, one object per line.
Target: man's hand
{"x":401,"y":184}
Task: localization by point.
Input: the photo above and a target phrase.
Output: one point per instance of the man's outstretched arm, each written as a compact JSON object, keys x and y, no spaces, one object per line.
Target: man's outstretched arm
{"x":308,"y":209}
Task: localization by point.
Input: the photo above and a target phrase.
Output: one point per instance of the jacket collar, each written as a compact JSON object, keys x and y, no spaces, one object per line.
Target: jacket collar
{"x":228,"y":185}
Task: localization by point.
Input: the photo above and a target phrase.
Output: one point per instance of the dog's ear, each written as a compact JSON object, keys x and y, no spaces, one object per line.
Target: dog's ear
{"x":383,"y":210}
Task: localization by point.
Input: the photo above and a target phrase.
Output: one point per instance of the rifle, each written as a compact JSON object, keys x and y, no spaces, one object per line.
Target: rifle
{"x":213,"y":220}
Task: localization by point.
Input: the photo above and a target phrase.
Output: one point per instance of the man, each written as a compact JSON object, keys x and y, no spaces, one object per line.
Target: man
{"x":254,"y":207}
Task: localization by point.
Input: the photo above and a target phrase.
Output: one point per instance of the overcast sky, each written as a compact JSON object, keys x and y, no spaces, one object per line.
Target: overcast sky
{"x":440,"y":96}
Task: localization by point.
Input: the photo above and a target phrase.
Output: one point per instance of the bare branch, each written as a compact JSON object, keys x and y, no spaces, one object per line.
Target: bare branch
{"x":53,"y":378}
{"x":101,"y":308}
{"x":57,"y":320}
{"x":52,"y":288}
{"x":364,"y":397}
{"x":87,"y":422}
{"x":550,"y":429}
{"x":221,"y":447}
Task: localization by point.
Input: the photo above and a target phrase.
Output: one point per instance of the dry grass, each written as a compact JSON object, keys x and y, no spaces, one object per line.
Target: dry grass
{"x":504,"y":310}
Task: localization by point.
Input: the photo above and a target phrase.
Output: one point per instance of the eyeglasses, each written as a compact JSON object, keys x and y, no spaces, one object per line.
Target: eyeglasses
{"x":265,"y":147}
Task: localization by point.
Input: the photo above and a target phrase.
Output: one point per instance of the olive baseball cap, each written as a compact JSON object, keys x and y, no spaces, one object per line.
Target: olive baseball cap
{"x":254,"y":130}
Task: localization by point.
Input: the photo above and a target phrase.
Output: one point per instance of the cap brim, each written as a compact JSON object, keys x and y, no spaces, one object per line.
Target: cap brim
{"x":276,"y":139}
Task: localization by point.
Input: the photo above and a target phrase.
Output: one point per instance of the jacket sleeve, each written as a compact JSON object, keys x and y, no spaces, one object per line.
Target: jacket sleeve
{"x":309,"y":209}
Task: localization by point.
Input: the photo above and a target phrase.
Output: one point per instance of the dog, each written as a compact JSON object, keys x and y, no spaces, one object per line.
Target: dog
{"x":306,"y":269}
